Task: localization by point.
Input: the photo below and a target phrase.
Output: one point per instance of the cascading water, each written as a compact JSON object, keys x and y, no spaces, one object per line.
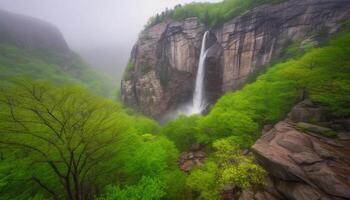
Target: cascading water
{"x":198,"y":102}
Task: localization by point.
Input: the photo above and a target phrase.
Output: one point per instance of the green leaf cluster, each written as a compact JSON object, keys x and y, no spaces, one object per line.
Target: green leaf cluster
{"x":211,"y":14}
{"x":227,"y":167}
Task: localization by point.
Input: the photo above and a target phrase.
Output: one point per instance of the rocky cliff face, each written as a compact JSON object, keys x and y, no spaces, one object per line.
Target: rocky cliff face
{"x":166,"y":55}
{"x":30,"y":33}
{"x":304,"y":164}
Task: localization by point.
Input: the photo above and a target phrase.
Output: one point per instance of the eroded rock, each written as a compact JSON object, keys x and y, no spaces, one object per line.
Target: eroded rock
{"x":194,"y":157}
{"x":305,"y":166}
{"x":236,"y":49}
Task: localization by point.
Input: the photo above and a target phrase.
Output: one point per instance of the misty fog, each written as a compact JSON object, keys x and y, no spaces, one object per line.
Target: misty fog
{"x":101,"y":31}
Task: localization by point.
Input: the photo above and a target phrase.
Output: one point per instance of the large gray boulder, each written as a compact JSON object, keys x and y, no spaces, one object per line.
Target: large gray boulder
{"x":306,"y":166}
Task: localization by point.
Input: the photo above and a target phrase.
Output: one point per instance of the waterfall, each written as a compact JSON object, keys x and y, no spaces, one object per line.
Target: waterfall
{"x":198,"y":102}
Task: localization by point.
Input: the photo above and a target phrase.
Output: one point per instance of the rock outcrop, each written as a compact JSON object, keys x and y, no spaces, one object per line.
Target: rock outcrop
{"x":302,"y":163}
{"x":166,"y":55}
{"x":194,"y":157}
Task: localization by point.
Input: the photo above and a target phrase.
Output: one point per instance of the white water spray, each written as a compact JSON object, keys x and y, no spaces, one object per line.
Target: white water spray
{"x":198,"y":102}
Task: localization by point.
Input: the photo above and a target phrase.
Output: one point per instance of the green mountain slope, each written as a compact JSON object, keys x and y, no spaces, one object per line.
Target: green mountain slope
{"x":322,"y":75}
{"x":15,"y":61}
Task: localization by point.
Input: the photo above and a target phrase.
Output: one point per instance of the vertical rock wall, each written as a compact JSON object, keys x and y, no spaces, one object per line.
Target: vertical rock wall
{"x":165,"y":57}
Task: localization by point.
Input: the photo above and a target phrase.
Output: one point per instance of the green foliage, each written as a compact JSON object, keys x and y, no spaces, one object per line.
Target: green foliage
{"x":230,"y":123}
{"x":16,"y":62}
{"x":322,"y":75}
{"x":60,"y":134}
{"x":296,"y":48}
{"x":211,"y":14}
{"x":204,"y":181}
{"x":228,"y":166}
{"x":53,"y":136}
{"x":146,"y":189}
{"x":182,"y":131}
{"x":237,"y":169}
{"x":146,"y":68}
{"x":153,"y":157}
{"x":306,"y":128}
{"x":128,"y":73}
{"x":176,"y":187}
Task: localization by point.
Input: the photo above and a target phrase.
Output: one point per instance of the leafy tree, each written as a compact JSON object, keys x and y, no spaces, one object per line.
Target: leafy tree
{"x":153,"y":157}
{"x":182,"y":131}
{"x":147,"y":189}
{"x":228,"y":166}
{"x":204,"y":181}
{"x":64,"y":131}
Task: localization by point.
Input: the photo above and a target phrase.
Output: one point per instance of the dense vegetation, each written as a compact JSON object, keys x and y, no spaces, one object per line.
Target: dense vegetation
{"x":235,"y":121}
{"x":64,"y":142}
{"x":60,"y":139}
{"x":211,"y":14}
{"x":15,"y":61}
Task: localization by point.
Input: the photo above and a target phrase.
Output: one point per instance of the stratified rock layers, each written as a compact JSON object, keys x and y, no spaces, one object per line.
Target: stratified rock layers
{"x":302,"y":164}
{"x":165,"y":57}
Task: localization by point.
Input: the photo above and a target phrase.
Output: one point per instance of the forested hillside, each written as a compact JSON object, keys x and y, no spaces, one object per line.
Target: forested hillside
{"x":63,"y":135}
{"x":16,"y":61}
{"x":211,"y":14}
{"x":65,"y":141}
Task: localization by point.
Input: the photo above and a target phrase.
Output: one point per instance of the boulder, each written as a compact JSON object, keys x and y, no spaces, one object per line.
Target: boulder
{"x":305,"y":166}
{"x":228,"y":192}
{"x":307,"y":111}
{"x":194,"y":157}
{"x":298,"y":191}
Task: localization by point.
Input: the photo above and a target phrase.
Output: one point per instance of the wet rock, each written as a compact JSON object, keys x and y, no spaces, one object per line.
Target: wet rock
{"x":326,"y":132}
{"x":306,"y":111}
{"x":236,"y":49}
{"x":267,"y":128}
{"x":247,"y":195}
{"x":298,"y":191}
{"x":228,"y":192}
{"x":194,"y":157}
{"x":305,"y":166}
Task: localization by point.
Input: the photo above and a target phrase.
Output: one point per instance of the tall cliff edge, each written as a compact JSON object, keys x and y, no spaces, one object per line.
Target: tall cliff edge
{"x":162,"y":69}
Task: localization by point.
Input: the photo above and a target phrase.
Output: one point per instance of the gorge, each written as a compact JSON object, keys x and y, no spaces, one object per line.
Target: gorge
{"x":164,"y":60}
{"x":229,"y":100}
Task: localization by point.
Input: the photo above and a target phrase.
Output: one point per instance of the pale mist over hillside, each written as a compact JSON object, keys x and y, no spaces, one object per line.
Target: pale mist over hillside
{"x":102,"y":32}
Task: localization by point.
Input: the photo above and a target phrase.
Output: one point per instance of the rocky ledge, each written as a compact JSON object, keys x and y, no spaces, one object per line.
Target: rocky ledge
{"x":305,"y":161}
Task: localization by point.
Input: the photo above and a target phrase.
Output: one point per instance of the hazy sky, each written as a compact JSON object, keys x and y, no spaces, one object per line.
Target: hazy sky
{"x":95,"y":24}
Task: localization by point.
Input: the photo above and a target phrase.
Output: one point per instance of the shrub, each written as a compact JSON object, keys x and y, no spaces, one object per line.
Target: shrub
{"x":128,"y":73}
{"x":228,"y":166}
{"x":146,"y":189}
{"x":182,"y":131}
